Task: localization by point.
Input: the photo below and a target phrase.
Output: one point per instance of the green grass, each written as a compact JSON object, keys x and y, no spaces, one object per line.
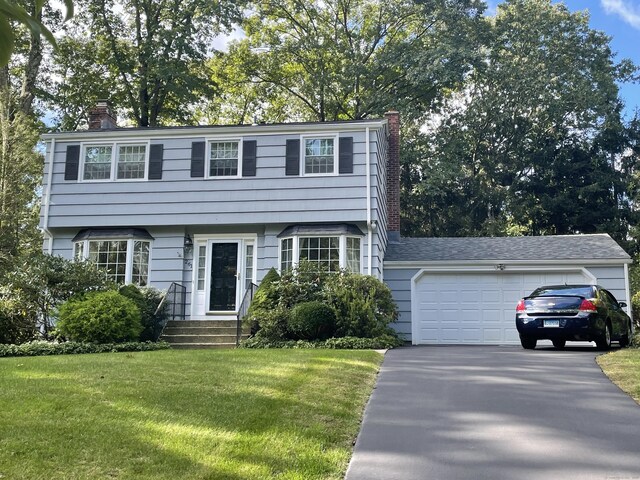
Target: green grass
{"x":235,"y":414}
{"x":623,"y":368}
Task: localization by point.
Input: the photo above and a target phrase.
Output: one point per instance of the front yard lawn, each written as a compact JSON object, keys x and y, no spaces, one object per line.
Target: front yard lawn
{"x":623,"y":368}
{"x":200,"y":414}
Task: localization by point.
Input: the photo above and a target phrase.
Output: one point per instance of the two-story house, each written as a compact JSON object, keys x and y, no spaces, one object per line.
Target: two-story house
{"x":213,"y":208}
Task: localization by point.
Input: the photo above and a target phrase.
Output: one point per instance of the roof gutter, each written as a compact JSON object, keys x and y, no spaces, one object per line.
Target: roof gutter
{"x":191,"y":132}
{"x":470,"y":263}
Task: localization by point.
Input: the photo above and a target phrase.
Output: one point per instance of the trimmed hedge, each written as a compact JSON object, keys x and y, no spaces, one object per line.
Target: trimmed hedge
{"x":312,"y":321}
{"x":39,"y":348}
{"x":344,"y":343}
{"x":100,"y":317}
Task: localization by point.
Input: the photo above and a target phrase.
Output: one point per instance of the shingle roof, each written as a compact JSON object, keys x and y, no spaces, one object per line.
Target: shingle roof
{"x":550,"y":247}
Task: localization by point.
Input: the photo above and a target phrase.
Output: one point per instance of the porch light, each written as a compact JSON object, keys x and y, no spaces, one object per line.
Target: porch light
{"x":188,"y":243}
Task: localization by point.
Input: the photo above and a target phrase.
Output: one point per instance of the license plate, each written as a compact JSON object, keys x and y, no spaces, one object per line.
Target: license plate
{"x":552,"y":323}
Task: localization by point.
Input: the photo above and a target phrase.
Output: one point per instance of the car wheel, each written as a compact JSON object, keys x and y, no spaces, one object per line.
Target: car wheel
{"x":625,"y":340}
{"x":604,"y":342}
{"x":528,"y":343}
{"x":559,"y":343}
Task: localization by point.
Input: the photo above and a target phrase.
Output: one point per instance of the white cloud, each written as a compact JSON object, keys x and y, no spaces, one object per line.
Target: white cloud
{"x":628,"y":12}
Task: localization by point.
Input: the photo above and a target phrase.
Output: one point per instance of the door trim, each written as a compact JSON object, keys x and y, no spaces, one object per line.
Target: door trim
{"x":208,"y":239}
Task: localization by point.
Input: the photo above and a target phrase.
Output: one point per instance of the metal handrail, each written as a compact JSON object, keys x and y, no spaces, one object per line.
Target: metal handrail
{"x":244,"y":309}
{"x":175,"y":299}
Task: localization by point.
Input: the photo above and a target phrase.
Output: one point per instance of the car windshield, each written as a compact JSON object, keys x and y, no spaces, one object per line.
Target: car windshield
{"x":586,"y":292}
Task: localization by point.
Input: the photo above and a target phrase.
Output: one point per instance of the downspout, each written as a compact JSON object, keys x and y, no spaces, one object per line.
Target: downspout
{"x":369,"y":227}
{"x":47,"y":198}
{"x":627,"y":292}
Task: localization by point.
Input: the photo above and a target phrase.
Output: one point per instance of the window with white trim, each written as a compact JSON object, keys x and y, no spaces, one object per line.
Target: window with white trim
{"x":97,"y":162}
{"x":330,"y":253}
{"x":224,"y":158}
{"x":202,"y":266}
{"x":107,"y":162}
{"x":319,"y":156}
{"x":131,"y":161}
{"x":125,"y":260}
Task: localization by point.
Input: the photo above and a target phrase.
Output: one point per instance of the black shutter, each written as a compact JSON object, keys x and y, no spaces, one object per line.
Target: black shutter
{"x":71,"y":162}
{"x":293,"y":157}
{"x":197,"y":159}
{"x":249,"y":158}
{"x":345,"y":155}
{"x":156,"y":154}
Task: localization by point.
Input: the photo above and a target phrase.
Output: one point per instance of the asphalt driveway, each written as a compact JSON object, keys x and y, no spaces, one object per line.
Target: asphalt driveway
{"x":449,"y":413}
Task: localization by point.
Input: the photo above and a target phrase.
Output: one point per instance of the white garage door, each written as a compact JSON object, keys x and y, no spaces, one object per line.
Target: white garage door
{"x":475,"y":308}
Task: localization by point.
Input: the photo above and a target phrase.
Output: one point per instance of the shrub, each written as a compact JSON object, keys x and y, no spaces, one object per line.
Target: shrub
{"x":273,"y":323}
{"x":39,"y":348}
{"x":635,"y":309}
{"x":265,"y":299}
{"x":364,"y":305}
{"x":38,"y":284}
{"x":312,"y":321}
{"x":16,"y":325}
{"x":347,"y":343}
{"x":304,"y":283}
{"x":147,"y":300}
{"x":100,"y":317}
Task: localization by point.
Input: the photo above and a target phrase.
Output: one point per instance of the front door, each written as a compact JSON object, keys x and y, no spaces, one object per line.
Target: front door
{"x":224,"y":277}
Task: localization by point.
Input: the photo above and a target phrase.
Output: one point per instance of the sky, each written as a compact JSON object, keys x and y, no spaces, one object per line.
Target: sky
{"x":620,"y":20}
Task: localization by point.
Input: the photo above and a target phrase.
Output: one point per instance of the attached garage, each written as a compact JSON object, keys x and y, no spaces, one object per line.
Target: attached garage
{"x":464,"y":290}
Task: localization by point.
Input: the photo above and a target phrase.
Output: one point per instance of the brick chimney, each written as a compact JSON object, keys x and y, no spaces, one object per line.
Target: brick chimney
{"x":102,"y":116}
{"x":393,"y":177}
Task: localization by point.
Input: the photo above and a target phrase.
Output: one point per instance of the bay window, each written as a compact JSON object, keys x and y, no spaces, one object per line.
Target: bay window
{"x":125,"y":258}
{"x":338,"y":248}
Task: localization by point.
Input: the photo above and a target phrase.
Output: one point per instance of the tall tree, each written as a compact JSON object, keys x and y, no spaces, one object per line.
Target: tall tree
{"x":350,"y":59}
{"x":527,"y":147}
{"x":150,"y":54}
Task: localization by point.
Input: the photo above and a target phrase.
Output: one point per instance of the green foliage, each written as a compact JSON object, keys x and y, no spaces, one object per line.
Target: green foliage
{"x":147,"y":299}
{"x":100,"y":317}
{"x":364,"y":305}
{"x":541,"y":127}
{"x":20,"y":175}
{"x":347,"y":59}
{"x":304,"y":283}
{"x":273,"y":323}
{"x":265,"y":299}
{"x":39,"y":283}
{"x":382,"y":342}
{"x":312,"y":321}
{"x":39,"y":348}
{"x":9,"y":11}
{"x":149,"y":55}
{"x":16,"y":326}
{"x":635,"y":309}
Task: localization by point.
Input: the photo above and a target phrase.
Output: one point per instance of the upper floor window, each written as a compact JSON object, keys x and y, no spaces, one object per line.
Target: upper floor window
{"x":319,"y":156}
{"x":224,"y":158}
{"x":97,"y":162}
{"x":114,"y":162}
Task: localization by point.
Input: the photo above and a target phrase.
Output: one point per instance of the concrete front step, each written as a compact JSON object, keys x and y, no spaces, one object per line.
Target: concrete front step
{"x":192,"y":346}
{"x":201,"y":323}
{"x":200,"y":331}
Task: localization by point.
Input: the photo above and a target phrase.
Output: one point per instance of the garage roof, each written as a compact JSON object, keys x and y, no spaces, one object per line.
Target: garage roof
{"x":549,"y":247}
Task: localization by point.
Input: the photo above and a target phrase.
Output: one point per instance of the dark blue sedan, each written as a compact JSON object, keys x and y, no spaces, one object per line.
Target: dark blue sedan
{"x":562,"y":313}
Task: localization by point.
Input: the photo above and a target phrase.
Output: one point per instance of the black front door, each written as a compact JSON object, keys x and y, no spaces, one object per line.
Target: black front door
{"x":224,"y":280}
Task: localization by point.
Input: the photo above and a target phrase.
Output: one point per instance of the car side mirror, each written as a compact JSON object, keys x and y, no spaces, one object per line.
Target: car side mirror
{"x":622,"y":304}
